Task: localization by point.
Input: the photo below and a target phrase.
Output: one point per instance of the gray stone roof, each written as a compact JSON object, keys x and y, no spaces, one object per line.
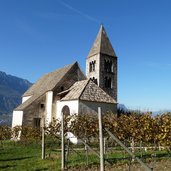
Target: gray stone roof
{"x":28,"y":102}
{"x":46,"y":83}
{"x":75,"y":90}
{"x":88,"y":91}
{"x":102,"y":44}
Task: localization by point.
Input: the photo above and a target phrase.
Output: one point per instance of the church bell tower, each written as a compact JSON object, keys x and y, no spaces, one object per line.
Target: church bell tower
{"x":101,"y":64}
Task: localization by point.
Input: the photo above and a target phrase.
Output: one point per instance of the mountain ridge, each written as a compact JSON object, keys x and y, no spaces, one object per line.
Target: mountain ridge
{"x":11,"y":90}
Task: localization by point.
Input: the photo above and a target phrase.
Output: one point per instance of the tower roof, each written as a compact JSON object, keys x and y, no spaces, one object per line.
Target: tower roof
{"x":102,"y":44}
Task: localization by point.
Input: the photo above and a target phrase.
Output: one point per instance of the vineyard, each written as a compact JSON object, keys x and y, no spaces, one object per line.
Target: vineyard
{"x":148,"y":137}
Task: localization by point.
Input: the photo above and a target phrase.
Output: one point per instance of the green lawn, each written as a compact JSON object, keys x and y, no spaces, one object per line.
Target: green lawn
{"x":18,"y":157}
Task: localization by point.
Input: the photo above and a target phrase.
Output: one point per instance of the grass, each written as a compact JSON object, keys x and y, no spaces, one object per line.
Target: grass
{"x":19,"y":157}
{"x":25,"y":158}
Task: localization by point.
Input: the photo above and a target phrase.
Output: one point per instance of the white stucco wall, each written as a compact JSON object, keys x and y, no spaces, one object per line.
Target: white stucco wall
{"x":73,"y":106}
{"x":87,"y":107}
{"x":25,"y":98}
{"x":17,"y":118}
{"x":49,"y":99}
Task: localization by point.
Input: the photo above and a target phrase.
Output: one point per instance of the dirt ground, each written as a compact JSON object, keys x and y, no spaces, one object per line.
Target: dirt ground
{"x":163,"y":165}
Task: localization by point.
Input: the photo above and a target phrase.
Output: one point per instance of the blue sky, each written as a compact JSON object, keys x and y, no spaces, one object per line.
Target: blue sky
{"x":39,"y":36}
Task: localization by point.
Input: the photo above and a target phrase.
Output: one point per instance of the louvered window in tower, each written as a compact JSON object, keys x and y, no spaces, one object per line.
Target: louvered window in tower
{"x":108,"y":66}
{"x":108,"y":82}
{"x":92,"y":66}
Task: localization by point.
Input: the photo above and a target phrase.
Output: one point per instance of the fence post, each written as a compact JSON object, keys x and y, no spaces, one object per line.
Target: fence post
{"x":43,"y":137}
{"x":67,"y":152}
{"x":62,"y":143}
{"x":101,"y":140}
{"x":86,"y":150}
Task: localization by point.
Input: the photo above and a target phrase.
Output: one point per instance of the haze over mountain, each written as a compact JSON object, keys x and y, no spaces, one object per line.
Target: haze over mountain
{"x":11,"y":90}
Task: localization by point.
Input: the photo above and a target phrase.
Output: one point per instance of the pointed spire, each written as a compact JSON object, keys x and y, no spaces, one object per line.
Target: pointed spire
{"x":102,"y":44}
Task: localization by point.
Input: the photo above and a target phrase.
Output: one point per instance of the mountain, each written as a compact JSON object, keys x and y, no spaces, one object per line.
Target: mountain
{"x":11,"y":90}
{"x":122,"y":107}
{"x":160,"y":112}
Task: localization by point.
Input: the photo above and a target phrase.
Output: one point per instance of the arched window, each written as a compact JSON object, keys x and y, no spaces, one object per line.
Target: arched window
{"x":108,"y":82}
{"x":105,"y":65}
{"x":66,"y":111}
{"x":108,"y":65}
{"x":92,"y":66}
{"x":105,"y":82}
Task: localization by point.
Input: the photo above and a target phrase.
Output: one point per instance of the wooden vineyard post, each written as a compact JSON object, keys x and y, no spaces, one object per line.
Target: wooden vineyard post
{"x":62,"y":143}
{"x":43,"y":137}
{"x":101,"y":140}
{"x":86,"y":150}
{"x":67,"y":152}
{"x":104,"y":142}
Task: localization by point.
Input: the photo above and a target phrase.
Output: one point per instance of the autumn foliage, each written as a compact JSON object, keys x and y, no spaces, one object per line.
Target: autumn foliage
{"x":140,"y":127}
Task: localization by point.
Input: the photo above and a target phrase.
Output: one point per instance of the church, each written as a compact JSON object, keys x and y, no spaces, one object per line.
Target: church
{"x":69,"y":91}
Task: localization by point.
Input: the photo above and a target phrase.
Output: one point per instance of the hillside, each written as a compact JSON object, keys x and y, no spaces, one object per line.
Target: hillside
{"x":11,"y":90}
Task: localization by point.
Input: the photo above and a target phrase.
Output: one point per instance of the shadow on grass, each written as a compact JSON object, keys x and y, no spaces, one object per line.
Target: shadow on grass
{"x":7,"y":166}
{"x":14,"y":166}
{"x":41,"y":169}
{"x":19,"y":158}
{"x":113,"y":160}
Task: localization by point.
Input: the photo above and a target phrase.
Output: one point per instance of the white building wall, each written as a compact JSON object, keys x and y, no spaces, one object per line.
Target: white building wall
{"x":86,"y":107}
{"x":25,"y":98}
{"x":73,"y":107}
{"x":17,"y":118}
{"x":49,"y":99}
